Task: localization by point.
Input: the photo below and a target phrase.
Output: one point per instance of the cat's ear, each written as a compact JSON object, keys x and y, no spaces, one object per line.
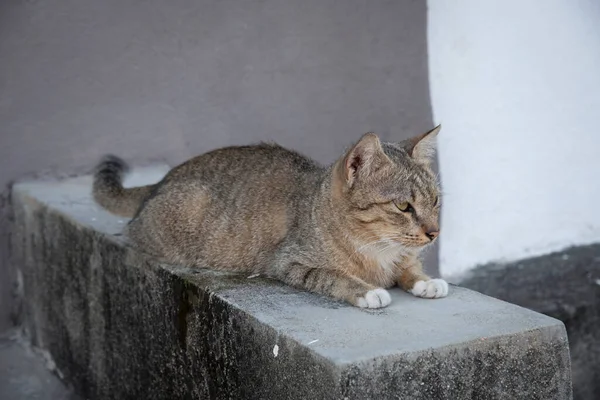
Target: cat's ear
{"x":363,"y":158}
{"x":422,"y":148}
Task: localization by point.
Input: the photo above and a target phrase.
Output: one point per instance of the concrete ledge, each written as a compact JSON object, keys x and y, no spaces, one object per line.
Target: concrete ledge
{"x":119,"y":325}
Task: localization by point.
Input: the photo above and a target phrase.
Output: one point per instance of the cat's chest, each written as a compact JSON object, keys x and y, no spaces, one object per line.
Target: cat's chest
{"x":381,"y":265}
{"x":387,"y":260}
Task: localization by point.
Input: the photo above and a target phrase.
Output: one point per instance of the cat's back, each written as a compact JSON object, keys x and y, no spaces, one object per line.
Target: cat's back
{"x":228,"y":208}
{"x":261,"y":164}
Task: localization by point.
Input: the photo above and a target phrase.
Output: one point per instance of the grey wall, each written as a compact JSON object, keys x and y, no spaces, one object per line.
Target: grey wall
{"x":170,"y":79}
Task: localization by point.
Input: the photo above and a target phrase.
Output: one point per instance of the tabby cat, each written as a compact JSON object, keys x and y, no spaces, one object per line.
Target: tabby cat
{"x":348,"y":231}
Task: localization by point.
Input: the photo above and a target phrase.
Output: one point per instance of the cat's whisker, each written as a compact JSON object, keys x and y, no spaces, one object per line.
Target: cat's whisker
{"x":371,"y":244}
{"x":373,"y":235}
{"x":370,"y":235}
{"x":384,"y":239}
{"x":361,"y":249}
{"x":389,"y":246}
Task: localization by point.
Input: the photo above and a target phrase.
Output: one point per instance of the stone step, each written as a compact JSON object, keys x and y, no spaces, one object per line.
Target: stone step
{"x":25,"y":374}
{"x":119,"y":325}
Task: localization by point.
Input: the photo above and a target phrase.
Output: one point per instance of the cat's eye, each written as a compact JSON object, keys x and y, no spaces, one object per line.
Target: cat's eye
{"x":437,"y":200}
{"x":404,"y":206}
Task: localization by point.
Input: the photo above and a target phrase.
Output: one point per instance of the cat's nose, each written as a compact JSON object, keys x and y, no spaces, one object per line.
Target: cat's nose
{"x":431,"y":234}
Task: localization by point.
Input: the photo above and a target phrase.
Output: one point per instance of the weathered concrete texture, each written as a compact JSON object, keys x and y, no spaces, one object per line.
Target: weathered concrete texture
{"x":120,"y":325}
{"x":564,"y":285}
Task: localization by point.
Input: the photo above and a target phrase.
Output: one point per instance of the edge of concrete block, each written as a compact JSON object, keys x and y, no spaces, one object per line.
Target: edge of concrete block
{"x":119,"y":324}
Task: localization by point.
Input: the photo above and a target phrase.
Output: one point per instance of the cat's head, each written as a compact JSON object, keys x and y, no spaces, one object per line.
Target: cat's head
{"x":388,"y":191}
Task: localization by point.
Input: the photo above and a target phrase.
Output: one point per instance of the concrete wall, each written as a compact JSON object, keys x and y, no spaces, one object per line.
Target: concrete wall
{"x":517,"y":88}
{"x":154,"y":79}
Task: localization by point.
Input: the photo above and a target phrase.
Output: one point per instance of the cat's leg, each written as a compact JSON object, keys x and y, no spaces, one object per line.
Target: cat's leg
{"x":412,"y":279}
{"x":332,"y":283}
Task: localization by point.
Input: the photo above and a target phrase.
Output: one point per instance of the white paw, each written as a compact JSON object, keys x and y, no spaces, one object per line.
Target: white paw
{"x":375,"y":298}
{"x":431,"y":289}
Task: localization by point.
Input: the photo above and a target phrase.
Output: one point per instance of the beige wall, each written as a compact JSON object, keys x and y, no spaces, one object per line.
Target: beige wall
{"x":154,"y":79}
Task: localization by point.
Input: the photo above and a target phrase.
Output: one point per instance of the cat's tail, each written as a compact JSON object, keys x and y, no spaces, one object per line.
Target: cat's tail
{"x":108,"y":190}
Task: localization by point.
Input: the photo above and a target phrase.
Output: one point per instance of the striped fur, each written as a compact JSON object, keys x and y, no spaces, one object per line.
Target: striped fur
{"x":345,"y":230}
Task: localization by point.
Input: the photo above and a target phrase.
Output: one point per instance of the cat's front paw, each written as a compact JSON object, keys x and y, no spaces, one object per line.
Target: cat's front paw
{"x":376,"y":298}
{"x":431,"y":289}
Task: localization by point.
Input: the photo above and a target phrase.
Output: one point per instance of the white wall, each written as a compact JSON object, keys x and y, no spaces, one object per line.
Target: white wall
{"x":516,"y":86}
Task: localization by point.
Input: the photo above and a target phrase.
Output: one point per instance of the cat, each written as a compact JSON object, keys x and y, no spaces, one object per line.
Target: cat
{"x":348,"y":231}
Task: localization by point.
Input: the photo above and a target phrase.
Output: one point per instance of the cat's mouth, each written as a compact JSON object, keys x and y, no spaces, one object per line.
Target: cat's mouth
{"x":416,"y":241}
{"x":391,"y":242}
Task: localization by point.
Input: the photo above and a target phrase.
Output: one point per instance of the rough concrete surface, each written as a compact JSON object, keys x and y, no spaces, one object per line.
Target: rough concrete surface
{"x":119,"y":325}
{"x":26,"y":375}
{"x":564,"y":285}
{"x":150,"y":79}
